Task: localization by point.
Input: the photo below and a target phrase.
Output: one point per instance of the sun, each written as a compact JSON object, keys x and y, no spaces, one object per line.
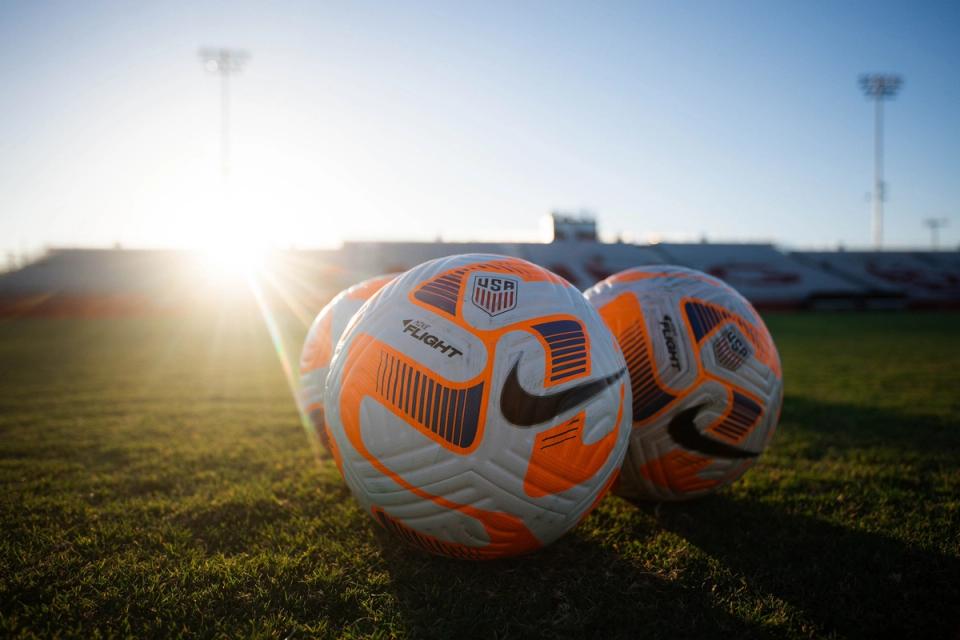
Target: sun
{"x":230,"y":240}
{"x":229,"y":265}
{"x":232,"y":259}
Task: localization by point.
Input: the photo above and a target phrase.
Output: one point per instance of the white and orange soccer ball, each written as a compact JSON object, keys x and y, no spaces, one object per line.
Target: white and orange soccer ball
{"x":478,"y":406}
{"x":706,"y":378}
{"x":319,"y":344}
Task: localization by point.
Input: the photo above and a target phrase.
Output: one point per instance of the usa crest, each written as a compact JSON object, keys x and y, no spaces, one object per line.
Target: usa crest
{"x":495,"y":294}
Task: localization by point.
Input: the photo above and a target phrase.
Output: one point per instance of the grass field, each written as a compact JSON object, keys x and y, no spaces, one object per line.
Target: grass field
{"x":156,"y":481}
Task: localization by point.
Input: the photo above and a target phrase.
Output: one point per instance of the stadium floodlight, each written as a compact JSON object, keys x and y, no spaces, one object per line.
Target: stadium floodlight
{"x":935,"y":225}
{"x":879,"y":87}
{"x":224,"y":62}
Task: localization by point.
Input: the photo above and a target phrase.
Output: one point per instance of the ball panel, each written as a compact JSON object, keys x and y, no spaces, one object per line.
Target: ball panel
{"x":363,"y":291}
{"x":426,"y":541}
{"x":561,"y":459}
{"x":449,"y":413}
{"x":319,"y":344}
{"x":624,"y":317}
{"x":506,"y":533}
{"x":704,"y":319}
{"x":567,"y":346}
{"x":444,"y":292}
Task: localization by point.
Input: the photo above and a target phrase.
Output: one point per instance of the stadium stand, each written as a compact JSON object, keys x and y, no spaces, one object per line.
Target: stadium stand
{"x":920,"y":279}
{"x":83,"y":271}
{"x":949,"y":260}
{"x":111,"y":282}
{"x":766,"y":276}
{"x":95,"y":282}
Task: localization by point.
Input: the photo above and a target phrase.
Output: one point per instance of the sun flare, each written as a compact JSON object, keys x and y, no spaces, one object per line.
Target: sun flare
{"x":232,"y":263}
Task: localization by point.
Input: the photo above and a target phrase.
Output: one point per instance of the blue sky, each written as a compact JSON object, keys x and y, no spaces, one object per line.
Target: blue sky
{"x":733,"y":120}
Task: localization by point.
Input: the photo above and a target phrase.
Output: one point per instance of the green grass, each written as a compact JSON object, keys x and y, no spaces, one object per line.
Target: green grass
{"x":156,"y":482}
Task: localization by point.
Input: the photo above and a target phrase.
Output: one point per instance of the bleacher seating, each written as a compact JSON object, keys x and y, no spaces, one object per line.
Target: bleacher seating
{"x":117,"y":280}
{"x":765,"y":275}
{"x":920,"y":278}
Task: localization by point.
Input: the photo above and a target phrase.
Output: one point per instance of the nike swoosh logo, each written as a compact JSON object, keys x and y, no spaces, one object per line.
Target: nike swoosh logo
{"x":525,"y":409}
{"x":684,"y":432}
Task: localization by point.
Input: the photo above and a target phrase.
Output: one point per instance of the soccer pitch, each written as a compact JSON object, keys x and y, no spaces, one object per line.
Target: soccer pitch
{"x":157,"y":482}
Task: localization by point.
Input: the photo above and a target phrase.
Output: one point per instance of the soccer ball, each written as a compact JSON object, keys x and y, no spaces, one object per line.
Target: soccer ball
{"x":477,"y":406}
{"x":318,"y":348}
{"x":706,"y":378}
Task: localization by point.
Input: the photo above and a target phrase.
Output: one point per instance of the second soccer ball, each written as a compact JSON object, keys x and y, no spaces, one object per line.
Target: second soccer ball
{"x":707,"y":385}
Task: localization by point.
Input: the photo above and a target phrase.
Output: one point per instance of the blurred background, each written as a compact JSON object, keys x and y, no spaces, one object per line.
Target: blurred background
{"x":805,"y":152}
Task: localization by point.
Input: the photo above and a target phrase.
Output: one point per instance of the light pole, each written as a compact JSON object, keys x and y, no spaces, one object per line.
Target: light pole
{"x":879,"y":87}
{"x":224,"y":62}
{"x":935,"y":225}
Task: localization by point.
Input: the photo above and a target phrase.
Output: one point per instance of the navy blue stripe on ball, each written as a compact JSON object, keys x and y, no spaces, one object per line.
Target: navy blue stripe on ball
{"x":452,"y":414}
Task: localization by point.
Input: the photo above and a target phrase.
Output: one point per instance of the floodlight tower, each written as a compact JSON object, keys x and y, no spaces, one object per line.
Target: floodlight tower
{"x":935,"y":225}
{"x":224,"y":62}
{"x":879,"y":87}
